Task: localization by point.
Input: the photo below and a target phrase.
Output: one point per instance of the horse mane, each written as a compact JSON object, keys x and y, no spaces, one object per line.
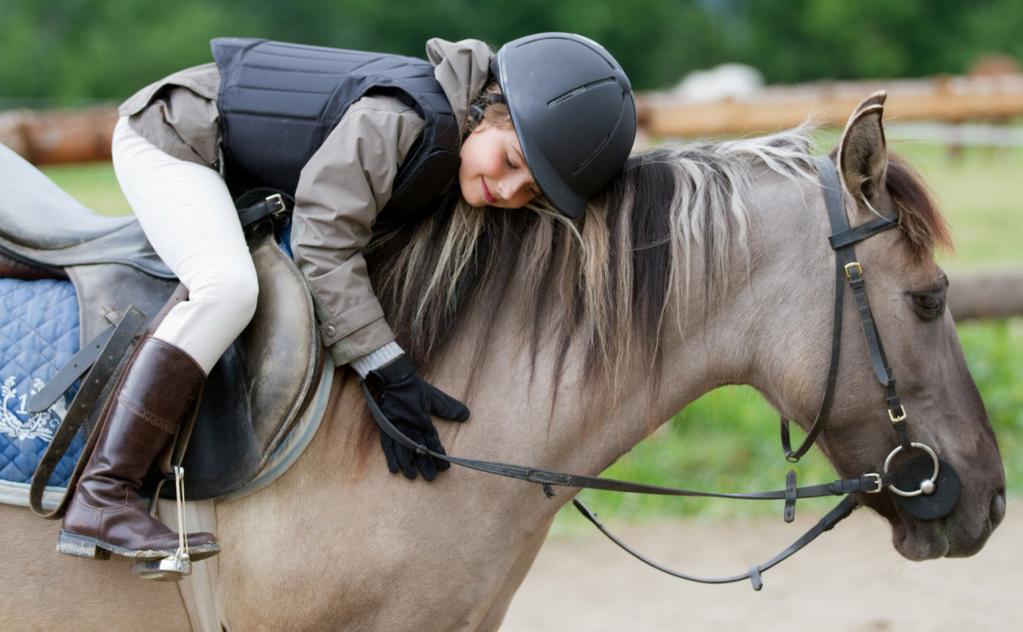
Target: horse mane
{"x":606,"y":281}
{"x":612,"y":279}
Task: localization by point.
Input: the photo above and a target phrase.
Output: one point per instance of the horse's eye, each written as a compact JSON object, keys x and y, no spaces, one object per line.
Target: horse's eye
{"x":929,"y":305}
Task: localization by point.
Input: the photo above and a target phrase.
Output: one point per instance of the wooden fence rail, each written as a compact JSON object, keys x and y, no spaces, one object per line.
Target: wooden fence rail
{"x":59,"y":136}
{"x":949,"y":99}
{"x":48,"y":137}
{"x":986,"y":294}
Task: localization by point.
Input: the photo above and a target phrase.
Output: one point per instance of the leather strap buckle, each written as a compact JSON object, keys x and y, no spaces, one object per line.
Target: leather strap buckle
{"x":850,"y":267}
{"x":877,"y":480}
{"x":897,"y":414}
{"x":276,"y":204}
{"x":273,"y":207}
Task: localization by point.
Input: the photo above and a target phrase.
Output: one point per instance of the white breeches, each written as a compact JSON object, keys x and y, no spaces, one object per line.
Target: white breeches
{"x":188,"y":215}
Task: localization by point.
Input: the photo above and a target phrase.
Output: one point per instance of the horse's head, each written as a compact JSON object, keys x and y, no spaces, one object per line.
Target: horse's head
{"x":905,"y":289}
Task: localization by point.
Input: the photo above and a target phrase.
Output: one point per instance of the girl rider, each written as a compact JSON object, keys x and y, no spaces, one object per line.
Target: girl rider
{"x":354,"y":136}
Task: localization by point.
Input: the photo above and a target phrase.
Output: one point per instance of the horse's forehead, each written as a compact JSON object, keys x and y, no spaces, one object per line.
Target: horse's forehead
{"x":890,"y":255}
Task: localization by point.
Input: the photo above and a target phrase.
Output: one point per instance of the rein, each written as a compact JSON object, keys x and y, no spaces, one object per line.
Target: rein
{"x":938,"y":484}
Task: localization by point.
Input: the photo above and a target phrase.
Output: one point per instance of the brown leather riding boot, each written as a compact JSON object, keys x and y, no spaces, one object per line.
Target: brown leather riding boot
{"x":158,"y":391}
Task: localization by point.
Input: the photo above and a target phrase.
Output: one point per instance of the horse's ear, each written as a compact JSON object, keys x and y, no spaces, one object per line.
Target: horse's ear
{"x":877,"y":98}
{"x":863,"y":152}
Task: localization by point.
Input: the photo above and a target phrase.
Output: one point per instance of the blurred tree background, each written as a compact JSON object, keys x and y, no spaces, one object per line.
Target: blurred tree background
{"x":73,"y":52}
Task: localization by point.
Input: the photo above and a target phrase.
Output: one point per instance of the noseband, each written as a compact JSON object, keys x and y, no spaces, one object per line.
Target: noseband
{"x":926,"y":487}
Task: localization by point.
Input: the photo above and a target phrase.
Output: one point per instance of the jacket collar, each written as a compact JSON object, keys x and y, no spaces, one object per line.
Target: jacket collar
{"x":462,"y":69}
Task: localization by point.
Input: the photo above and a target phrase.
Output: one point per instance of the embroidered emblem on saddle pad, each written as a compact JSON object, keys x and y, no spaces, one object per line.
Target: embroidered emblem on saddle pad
{"x":39,"y":334}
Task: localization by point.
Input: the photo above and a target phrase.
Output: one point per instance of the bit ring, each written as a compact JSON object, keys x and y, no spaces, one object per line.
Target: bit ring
{"x":928,"y":483}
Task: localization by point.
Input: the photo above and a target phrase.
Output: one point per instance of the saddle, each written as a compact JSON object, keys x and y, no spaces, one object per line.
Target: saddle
{"x":260,"y":387}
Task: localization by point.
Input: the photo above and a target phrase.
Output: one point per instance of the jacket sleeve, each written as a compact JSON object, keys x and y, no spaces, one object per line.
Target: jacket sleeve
{"x":340,"y":192}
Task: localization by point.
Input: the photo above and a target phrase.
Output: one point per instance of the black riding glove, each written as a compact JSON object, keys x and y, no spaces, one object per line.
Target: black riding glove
{"x":408,"y":400}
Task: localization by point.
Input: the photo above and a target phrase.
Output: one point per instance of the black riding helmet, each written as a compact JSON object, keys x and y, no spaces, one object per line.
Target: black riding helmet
{"x":573,"y":111}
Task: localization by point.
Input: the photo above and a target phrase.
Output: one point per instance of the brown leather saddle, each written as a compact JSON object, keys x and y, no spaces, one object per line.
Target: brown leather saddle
{"x":259,"y":387}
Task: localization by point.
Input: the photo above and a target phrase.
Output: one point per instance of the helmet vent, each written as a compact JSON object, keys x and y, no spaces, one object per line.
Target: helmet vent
{"x":583,"y":88}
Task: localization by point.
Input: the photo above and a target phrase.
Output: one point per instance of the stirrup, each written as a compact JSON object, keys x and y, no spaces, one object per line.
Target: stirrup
{"x":179,"y":565}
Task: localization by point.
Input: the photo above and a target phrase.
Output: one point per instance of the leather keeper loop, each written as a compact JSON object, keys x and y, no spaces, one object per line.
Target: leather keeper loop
{"x":790,"y":496}
{"x":755,"y":578}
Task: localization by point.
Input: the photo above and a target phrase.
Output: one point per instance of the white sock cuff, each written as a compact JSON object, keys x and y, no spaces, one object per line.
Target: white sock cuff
{"x":376,"y":359}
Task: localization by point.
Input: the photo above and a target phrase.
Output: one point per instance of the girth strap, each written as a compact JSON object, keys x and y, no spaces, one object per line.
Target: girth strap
{"x":82,"y":414}
{"x":256,"y":205}
{"x":69,"y":374}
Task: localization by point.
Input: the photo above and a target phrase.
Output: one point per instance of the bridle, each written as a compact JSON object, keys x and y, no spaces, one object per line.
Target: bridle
{"x":923,"y":502}
{"x":936,"y":483}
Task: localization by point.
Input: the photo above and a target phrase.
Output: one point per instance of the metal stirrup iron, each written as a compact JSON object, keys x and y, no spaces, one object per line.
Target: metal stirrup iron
{"x":177,"y":566}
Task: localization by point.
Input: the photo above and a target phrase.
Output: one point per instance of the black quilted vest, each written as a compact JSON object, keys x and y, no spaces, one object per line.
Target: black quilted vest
{"x":278,"y":102}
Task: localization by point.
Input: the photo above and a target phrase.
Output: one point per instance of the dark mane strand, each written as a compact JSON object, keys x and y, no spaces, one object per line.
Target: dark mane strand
{"x":924,"y":226}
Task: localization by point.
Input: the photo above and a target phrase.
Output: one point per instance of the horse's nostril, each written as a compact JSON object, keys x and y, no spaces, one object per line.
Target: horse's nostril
{"x":997,"y":508}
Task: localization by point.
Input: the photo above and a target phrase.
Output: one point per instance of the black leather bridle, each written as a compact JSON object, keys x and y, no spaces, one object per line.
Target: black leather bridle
{"x":937,"y":484}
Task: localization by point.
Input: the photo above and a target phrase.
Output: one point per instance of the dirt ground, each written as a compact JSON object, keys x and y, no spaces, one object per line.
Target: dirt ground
{"x":849,"y":579}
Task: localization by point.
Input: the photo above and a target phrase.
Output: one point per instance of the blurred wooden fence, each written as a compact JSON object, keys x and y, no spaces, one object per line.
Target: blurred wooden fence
{"x":59,"y":136}
{"x":986,"y":294}
{"x":51,"y":137}
{"x":949,"y":99}
{"x":55,"y":137}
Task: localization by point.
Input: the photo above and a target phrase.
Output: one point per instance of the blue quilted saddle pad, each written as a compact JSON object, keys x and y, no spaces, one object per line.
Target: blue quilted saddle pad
{"x":38,"y":336}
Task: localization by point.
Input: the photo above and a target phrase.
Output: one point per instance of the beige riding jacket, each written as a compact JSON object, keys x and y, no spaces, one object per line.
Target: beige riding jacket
{"x":342,"y":188}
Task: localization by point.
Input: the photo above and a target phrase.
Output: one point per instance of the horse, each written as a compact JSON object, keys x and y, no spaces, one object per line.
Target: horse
{"x":699,"y":266}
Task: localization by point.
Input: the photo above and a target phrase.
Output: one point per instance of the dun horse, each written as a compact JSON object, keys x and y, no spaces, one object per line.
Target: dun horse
{"x":700,"y":266}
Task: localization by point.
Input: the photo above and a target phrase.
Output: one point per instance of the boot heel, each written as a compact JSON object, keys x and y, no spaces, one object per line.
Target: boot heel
{"x":79,"y":546}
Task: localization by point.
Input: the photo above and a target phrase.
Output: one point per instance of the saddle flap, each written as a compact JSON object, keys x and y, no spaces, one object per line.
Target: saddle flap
{"x":260,"y":386}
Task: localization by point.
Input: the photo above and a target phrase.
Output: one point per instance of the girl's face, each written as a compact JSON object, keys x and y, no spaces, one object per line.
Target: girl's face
{"x":493,"y":170}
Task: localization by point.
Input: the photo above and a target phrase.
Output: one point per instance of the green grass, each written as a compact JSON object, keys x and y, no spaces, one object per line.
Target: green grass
{"x":92,"y":184}
{"x":728,"y":439}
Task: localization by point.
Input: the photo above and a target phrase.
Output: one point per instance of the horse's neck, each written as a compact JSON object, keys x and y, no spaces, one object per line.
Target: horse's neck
{"x":782,"y":276}
{"x":517,"y":418}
